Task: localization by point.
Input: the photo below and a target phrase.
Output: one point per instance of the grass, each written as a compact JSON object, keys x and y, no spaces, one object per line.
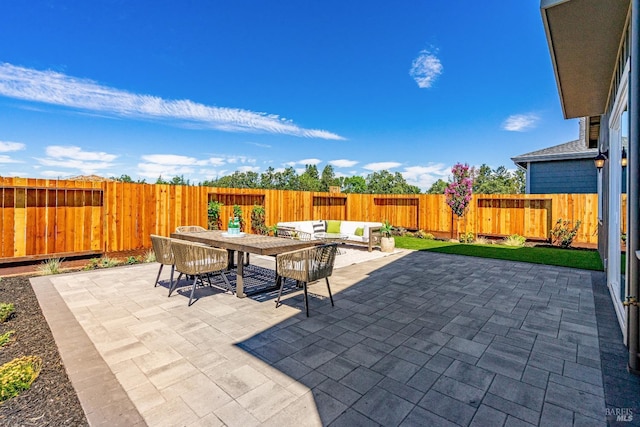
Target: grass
{"x":584,"y":259}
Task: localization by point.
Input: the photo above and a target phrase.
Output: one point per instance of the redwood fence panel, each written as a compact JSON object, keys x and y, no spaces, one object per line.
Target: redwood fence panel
{"x":42,"y":218}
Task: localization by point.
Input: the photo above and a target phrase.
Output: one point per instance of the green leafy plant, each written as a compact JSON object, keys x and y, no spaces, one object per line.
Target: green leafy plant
{"x":386,"y":229}
{"x":563,"y":234}
{"x":106,"y":262}
{"x":50,"y":266}
{"x":6,"y":311}
{"x":213,"y":213}
{"x":514,"y":240}
{"x":466,"y":237}
{"x":6,"y":338}
{"x":18,"y":375}
{"x":237,"y":213}
{"x":131,"y":260}
{"x":92,"y":265}
{"x":258,"y":220}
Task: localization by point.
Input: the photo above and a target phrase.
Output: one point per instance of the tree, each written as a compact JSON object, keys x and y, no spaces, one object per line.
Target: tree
{"x":497,"y":181}
{"x":310,"y":179}
{"x":353,"y":184}
{"x":458,"y":192}
{"x":437,"y":187}
{"x":328,"y":178}
{"x":384,"y":182}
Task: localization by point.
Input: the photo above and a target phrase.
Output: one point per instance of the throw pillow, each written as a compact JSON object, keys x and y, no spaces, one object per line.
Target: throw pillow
{"x":359,"y":231}
{"x":319,"y":226}
{"x":333,"y":226}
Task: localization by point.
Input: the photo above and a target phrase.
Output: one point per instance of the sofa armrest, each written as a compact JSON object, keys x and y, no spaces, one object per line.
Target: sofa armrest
{"x":374,"y":237}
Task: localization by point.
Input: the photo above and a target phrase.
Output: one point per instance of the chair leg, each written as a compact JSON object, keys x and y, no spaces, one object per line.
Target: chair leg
{"x":174,"y":285}
{"x":226,"y":281}
{"x":306,"y":301}
{"x":173,"y":267}
{"x":158,"y":276}
{"x":281,"y":280}
{"x":193,"y":289}
{"x":329,"y":289}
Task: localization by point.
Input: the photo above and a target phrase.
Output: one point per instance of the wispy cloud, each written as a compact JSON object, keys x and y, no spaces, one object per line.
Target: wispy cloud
{"x":170,"y":165}
{"x":425,"y":176}
{"x":343,"y":163}
{"x":520,"y":122}
{"x":381,"y":166}
{"x":304,"y":162}
{"x":72,"y":157}
{"x":426,"y":68}
{"x":249,"y":169}
{"x":7,"y":146}
{"x":59,"y":89}
{"x":7,"y":159}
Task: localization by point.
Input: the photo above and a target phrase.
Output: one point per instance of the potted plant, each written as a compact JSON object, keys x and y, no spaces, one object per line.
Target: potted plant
{"x":387,"y":242}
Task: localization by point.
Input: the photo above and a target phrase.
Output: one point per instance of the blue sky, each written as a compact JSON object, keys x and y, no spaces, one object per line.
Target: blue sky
{"x":205,"y":88}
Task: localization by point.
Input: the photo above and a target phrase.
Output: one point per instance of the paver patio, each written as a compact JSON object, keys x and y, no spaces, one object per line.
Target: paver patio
{"x":416,"y":338}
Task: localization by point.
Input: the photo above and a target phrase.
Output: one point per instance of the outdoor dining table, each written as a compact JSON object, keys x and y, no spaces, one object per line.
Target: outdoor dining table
{"x":243,"y":243}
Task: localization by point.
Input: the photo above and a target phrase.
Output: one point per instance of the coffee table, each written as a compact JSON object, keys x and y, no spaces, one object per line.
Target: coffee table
{"x":330,"y":238}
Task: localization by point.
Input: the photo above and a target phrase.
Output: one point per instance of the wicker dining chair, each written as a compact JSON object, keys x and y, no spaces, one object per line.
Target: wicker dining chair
{"x":198,"y":261}
{"x":292,"y":233}
{"x":306,"y":266}
{"x":189,"y":229}
{"x":162,"y":249}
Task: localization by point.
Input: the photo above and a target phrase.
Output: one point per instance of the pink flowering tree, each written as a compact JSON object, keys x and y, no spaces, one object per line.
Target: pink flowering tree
{"x":458,"y":192}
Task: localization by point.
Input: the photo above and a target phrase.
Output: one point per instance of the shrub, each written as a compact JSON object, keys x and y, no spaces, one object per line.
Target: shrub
{"x":6,"y":311}
{"x":399,"y":231}
{"x":466,"y":237}
{"x":386,"y":229}
{"x":93,"y":264}
{"x":213,"y":213}
{"x":482,"y":241}
{"x":257,"y":220}
{"x":514,"y":240}
{"x":6,"y":338}
{"x":420,"y":234}
{"x":149,"y":256}
{"x":18,"y":375}
{"x":563,"y":234}
{"x":106,"y":262}
{"x":50,"y":266}
{"x":131,"y":260}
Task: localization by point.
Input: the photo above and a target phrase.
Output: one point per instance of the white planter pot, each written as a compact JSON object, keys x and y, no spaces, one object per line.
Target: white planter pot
{"x":387,"y":244}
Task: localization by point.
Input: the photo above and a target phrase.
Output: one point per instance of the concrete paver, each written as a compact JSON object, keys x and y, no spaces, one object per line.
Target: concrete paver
{"x":414,"y":339}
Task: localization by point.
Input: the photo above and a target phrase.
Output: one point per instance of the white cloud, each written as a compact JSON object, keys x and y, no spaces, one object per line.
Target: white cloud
{"x":343,"y":163}
{"x":154,"y":170}
{"x":73,"y":152}
{"x":55,"y":88}
{"x":7,"y":159}
{"x":173,"y":160}
{"x":381,"y":166}
{"x":217,"y":161}
{"x":6,"y":146}
{"x":425,"y":176}
{"x":520,"y":122}
{"x":55,"y":174}
{"x":71,"y":157}
{"x":249,"y":169}
{"x":304,"y":162}
{"x":426,"y":68}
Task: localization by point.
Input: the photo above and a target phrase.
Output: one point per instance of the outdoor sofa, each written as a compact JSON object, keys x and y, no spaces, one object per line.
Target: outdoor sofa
{"x":359,"y":232}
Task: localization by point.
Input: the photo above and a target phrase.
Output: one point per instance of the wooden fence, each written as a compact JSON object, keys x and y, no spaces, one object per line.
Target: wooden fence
{"x":41,"y":218}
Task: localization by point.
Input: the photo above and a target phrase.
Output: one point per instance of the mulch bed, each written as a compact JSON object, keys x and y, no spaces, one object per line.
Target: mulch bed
{"x":51,"y":400}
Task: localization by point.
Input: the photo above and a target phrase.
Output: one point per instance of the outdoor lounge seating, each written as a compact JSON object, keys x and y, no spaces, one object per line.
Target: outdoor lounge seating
{"x":305,"y":266}
{"x":356,"y":232}
{"x":162,"y":249}
{"x":198,"y":261}
{"x":292,"y":233}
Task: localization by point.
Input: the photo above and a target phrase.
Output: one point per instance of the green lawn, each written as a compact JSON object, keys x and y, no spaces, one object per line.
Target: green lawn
{"x":585,"y":259}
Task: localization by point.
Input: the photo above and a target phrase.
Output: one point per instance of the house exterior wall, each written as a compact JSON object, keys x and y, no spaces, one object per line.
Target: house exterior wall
{"x":565,"y":176}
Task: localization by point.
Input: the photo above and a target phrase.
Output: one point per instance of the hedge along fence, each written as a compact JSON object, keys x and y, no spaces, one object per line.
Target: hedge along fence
{"x":41,"y":218}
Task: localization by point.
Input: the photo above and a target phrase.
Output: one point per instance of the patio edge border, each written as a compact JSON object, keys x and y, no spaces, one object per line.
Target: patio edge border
{"x":103,"y":399}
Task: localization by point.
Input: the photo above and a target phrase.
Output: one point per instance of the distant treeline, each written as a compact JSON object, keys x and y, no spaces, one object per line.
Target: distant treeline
{"x":486,"y":181}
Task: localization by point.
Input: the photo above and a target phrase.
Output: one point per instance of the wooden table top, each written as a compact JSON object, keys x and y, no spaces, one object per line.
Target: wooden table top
{"x":252,"y":243}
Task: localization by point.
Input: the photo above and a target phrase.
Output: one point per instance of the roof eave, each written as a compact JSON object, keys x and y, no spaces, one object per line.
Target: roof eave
{"x":583,"y":38}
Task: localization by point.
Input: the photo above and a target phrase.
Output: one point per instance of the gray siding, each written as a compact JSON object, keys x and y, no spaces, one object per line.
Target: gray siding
{"x":563,"y":176}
